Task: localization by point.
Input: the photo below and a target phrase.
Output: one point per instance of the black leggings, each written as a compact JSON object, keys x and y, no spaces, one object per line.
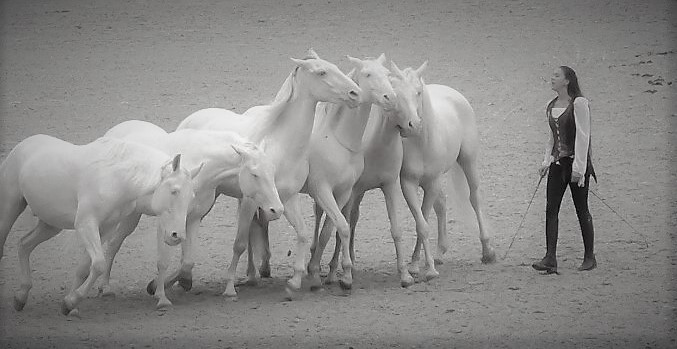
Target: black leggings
{"x":559,"y":177}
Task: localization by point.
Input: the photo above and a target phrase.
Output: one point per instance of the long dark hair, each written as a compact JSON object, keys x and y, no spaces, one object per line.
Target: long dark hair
{"x":573,"y":89}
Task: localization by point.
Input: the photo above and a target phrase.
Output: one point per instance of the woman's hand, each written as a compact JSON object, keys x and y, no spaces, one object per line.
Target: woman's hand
{"x":577,"y":178}
{"x":543,"y":170}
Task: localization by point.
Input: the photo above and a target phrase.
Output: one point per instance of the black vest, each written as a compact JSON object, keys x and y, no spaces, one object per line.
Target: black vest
{"x":564,"y":135}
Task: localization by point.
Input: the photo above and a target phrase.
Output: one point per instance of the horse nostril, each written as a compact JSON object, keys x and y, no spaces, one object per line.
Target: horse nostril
{"x":175,"y":235}
{"x":353,"y":94}
{"x":272,"y":210}
{"x":386,"y":97}
{"x":411,"y":124}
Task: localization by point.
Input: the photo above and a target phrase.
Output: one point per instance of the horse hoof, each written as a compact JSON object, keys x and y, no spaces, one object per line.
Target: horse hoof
{"x":163,"y":304}
{"x":65,"y":308}
{"x":291,"y":293}
{"x":414,"y":270}
{"x":489,"y":257}
{"x":230,"y":292}
{"x":74,"y":313}
{"x":407,"y":281}
{"x":346,"y":286}
{"x":186,"y":284}
{"x":265,"y":273}
{"x":19,"y":304}
{"x":431,"y":274}
{"x":151,"y":288}
{"x":105,"y":292}
{"x":252,"y":282}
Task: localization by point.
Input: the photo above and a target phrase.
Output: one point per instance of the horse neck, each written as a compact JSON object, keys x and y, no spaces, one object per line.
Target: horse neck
{"x":294,"y":124}
{"x":384,"y":131}
{"x":211,"y":148}
{"x":349,"y":125}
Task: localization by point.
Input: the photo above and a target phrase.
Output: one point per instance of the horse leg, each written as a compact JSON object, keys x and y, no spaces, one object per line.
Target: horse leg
{"x":88,"y":230}
{"x":125,"y":228}
{"x":331,"y":206}
{"x":41,"y":233}
{"x":185,"y":273}
{"x":264,"y":270}
{"x":347,"y":212}
{"x":162,"y":265}
{"x":469,"y":166}
{"x":409,"y":189}
{"x":318,"y":211}
{"x":440,"y":207}
{"x":11,"y":206}
{"x":390,"y":193}
{"x":245,"y":215}
{"x":321,"y":239}
{"x":292,"y":210}
{"x":258,"y":246}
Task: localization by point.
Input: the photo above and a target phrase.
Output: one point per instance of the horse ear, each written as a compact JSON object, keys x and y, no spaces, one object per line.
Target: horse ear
{"x":381,"y":59}
{"x":299,"y":62}
{"x":312,"y":54}
{"x":194,"y":172}
{"x":351,"y":74}
{"x":176,"y":163}
{"x":396,"y":69}
{"x":242,"y":150}
{"x":420,"y":69}
{"x":354,"y":61}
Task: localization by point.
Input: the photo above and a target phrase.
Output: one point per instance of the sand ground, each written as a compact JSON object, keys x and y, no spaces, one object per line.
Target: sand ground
{"x":73,"y":69}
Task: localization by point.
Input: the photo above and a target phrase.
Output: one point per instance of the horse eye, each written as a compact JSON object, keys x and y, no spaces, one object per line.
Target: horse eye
{"x":368,"y":75}
{"x":175,"y":192}
{"x":321,"y":73}
{"x":255,"y":175}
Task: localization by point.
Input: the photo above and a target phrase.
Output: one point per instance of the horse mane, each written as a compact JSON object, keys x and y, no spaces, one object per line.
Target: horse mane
{"x":130,"y":161}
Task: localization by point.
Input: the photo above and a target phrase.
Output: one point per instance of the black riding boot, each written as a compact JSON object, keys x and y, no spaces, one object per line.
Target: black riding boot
{"x":588,"y":232}
{"x":549,"y":262}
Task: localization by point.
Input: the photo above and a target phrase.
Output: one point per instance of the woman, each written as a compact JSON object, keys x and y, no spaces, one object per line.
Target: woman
{"x":567,"y":163}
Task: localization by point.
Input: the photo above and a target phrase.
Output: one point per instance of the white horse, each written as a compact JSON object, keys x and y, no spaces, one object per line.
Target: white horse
{"x":232,"y":166}
{"x":448,"y":136}
{"x":382,"y":146}
{"x":337,"y":159}
{"x":282,"y":129}
{"x":89,"y":188}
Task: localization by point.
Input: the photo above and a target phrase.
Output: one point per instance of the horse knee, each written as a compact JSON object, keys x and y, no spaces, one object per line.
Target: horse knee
{"x":99,"y":266}
{"x":239,"y":247}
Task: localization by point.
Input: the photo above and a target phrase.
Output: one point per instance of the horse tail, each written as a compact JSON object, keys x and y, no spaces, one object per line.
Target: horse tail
{"x":12,"y":202}
{"x":459,"y":196}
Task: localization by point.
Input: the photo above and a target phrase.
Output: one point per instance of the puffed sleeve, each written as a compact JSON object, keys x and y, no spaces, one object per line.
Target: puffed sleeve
{"x":547,"y":156}
{"x":582,"y":118}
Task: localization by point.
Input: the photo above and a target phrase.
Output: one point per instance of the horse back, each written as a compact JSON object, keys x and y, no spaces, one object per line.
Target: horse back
{"x":143,"y":132}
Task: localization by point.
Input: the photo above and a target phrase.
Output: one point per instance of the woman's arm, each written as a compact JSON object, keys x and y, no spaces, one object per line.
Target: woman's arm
{"x":547,"y":156}
{"x":582,"y":118}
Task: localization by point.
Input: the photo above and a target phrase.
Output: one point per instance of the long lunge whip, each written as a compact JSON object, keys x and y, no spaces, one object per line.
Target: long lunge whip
{"x":621,"y":217}
{"x":523,"y":216}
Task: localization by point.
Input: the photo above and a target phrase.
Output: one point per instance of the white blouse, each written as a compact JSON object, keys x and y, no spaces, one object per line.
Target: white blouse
{"x":582,"y":119}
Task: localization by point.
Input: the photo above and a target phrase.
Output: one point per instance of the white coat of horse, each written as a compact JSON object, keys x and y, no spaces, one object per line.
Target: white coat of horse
{"x":282,"y":129}
{"x":448,"y":136}
{"x":89,"y":188}
{"x":233,"y":166}
{"x":382,"y":147}
{"x":337,"y":160}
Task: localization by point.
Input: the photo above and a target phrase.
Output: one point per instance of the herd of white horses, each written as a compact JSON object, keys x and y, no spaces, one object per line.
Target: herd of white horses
{"x":327,"y":134}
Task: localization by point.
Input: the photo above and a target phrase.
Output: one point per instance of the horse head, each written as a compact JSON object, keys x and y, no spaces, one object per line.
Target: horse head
{"x":257,"y":180}
{"x":325,"y":82}
{"x":372,"y":77}
{"x":408,"y":87}
{"x":172,"y":199}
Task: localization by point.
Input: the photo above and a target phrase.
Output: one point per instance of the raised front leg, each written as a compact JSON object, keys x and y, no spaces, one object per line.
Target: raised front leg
{"x":390,"y":193}
{"x":87,"y":229}
{"x":409,"y":189}
{"x":245,"y":215}
{"x":41,"y":233}
{"x":331,"y":205}
{"x":115,"y":240}
{"x":292,"y":210}
{"x":259,"y":246}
